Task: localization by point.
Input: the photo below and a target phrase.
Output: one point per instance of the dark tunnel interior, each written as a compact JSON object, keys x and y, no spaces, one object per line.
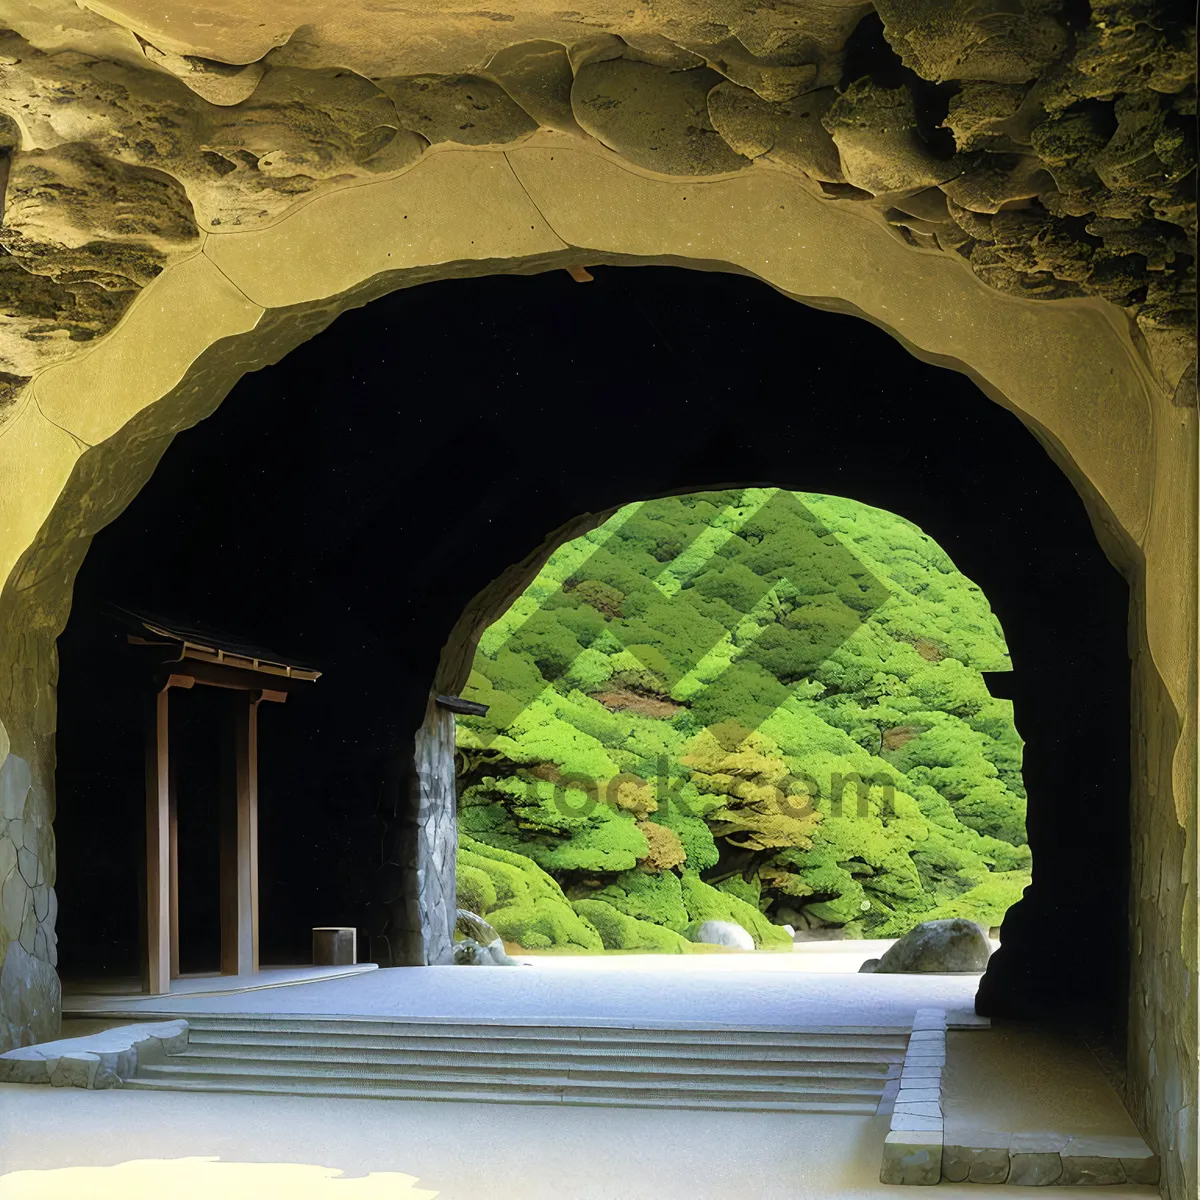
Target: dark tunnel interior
{"x":344,"y":506}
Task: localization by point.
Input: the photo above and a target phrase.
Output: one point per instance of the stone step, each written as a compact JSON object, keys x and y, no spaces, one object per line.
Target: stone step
{"x":492,"y":1092}
{"x":849,"y":1052}
{"x":629,"y":1073}
{"x":814,"y":1069}
{"x":485,"y":1057}
{"x":401,"y":1034}
{"x":707,"y":1035}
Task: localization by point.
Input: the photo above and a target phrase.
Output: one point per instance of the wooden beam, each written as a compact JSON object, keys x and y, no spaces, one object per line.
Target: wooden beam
{"x":157,"y":960}
{"x":239,"y":842}
{"x":219,"y":675}
{"x":458,"y":705}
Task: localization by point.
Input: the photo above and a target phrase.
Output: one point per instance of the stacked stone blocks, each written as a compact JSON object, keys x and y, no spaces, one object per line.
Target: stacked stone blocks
{"x":912,"y":1150}
{"x":99,"y":1060}
{"x":919,"y":1149}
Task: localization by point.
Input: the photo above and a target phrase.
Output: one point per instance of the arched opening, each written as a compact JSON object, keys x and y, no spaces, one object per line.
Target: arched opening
{"x":318,"y":537}
{"x":752,"y":717}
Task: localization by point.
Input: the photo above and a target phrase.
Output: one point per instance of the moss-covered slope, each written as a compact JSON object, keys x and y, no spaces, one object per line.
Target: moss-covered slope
{"x":758,"y":706}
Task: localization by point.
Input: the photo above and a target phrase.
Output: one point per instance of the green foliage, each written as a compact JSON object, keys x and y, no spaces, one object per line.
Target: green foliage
{"x":782,"y":691}
{"x":527,"y":906}
{"x":542,"y":924}
{"x":760,"y":808}
{"x":561,"y":828}
{"x":619,"y":931}
{"x":706,"y":903}
{"x":657,"y":898}
{"x":514,"y":879}
{"x":665,"y":848}
{"x":476,"y":892}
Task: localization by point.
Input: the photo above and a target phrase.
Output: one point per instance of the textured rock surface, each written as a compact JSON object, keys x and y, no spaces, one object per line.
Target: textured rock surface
{"x":30,"y":994}
{"x":1041,"y":1159}
{"x":538,"y":76}
{"x":975,"y":1156}
{"x":654,"y":117}
{"x":479,"y":945}
{"x":457,"y":108}
{"x":938,"y":946}
{"x":790,"y":133}
{"x":1031,"y":1168}
{"x":469,"y":925}
{"x":1098,"y":1160}
{"x":437,"y":835}
{"x":877,"y":135}
{"x":470,"y":953}
{"x":209,"y":143}
{"x":911,"y":1157}
{"x":30,"y":997}
{"x":995,"y":40}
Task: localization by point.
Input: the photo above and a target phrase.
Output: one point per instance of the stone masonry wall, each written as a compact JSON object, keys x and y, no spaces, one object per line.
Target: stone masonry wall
{"x":437,"y":834}
{"x":29,"y":989}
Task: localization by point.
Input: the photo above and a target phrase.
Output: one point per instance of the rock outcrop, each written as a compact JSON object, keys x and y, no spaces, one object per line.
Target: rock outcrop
{"x":1063,"y":139}
{"x":935,"y":947}
{"x":477,"y":944}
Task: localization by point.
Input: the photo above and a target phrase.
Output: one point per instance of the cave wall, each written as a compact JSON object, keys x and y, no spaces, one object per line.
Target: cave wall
{"x":187,"y":201}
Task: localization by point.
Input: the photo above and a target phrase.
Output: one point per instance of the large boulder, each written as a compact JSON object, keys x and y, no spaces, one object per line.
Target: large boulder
{"x":470,"y":953}
{"x":477,"y":944}
{"x":470,"y":925}
{"x":721,"y":933}
{"x":466,"y":109}
{"x":954,"y":946}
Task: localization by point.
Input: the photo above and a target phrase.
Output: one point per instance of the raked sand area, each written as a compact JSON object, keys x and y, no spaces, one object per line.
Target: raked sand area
{"x":725,"y":989}
{"x":64,"y":1144}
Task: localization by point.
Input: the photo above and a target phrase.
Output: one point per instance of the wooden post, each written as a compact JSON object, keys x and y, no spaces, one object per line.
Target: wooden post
{"x":156,"y":973}
{"x":173,"y":858}
{"x":239,"y":843}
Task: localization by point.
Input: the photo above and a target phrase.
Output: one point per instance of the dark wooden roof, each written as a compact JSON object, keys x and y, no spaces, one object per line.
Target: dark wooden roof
{"x":206,"y":645}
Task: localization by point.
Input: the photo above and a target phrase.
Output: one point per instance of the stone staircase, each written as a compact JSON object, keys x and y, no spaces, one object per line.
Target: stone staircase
{"x":825,"y":1069}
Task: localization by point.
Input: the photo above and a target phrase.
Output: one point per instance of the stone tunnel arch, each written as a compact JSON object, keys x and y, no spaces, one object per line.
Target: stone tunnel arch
{"x":89,"y":432}
{"x":428,"y":909}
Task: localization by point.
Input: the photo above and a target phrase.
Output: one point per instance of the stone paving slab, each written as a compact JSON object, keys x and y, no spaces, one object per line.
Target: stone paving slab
{"x":750,"y":993}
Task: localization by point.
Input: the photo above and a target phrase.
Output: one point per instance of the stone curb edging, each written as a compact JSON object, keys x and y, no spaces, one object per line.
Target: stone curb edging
{"x":1039,"y":1159}
{"x":912,"y":1150}
{"x":99,"y":1060}
{"x":919,"y":1150}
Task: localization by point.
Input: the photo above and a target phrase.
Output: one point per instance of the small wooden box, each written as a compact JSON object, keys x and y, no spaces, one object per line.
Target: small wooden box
{"x":335,"y":946}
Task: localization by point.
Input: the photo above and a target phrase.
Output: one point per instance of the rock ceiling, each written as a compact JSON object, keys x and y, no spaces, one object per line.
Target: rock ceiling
{"x":1047,"y":144}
